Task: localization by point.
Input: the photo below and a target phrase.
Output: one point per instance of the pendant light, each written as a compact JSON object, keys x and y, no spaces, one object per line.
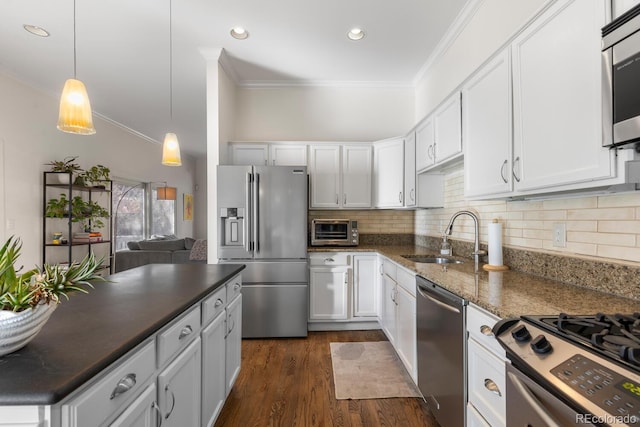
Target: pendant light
{"x":171,"y":146}
{"x":75,"y":108}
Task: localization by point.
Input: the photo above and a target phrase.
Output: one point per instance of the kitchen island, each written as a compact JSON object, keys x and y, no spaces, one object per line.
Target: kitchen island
{"x":89,"y":335}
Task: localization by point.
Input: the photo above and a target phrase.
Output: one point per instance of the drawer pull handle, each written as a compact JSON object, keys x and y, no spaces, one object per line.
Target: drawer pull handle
{"x":218,"y":303}
{"x":173,"y":401}
{"x":124,"y":385}
{"x":329,"y":260}
{"x":185,"y":332}
{"x":236,"y":286}
{"x":155,"y":407}
{"x":490,"y":385}
{"x":486,"y":330}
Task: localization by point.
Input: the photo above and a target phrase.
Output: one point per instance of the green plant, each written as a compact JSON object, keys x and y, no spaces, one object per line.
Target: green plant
{"x":95,"y":175}
{"x":67,"y":165}
{"x":89,"y":213}
{"x":42,"y":285}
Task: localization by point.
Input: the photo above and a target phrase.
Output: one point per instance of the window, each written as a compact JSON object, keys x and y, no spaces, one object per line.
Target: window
{"x":137,"y":213}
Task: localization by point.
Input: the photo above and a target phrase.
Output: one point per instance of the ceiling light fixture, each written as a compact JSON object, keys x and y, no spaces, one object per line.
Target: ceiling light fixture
{"x":171,"y":146}
{"x":75,"y":108}
{"x":355,"y":34}
{"x":239,"y":33}
{"x":36,"y":31}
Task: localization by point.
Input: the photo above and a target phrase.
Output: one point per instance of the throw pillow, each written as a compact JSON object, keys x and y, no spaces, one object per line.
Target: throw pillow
{"x":199,"y":251}
{"x":133,"y":246}
{"x":188,"y":242}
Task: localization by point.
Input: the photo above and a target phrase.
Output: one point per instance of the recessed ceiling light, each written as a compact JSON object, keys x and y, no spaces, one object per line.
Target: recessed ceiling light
{"x":355,"y":34}
{"x":35,"y":30}
{"x":239,"y":33}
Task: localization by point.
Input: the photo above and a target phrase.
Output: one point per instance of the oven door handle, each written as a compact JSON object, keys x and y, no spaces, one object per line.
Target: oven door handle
{"x":534,"y":403}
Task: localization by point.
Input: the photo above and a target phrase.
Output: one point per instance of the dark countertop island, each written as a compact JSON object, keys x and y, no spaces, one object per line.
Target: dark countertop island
{"x":90,"y":331}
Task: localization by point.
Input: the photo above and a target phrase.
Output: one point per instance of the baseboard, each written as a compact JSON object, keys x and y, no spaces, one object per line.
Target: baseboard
{"x":343,"y":326}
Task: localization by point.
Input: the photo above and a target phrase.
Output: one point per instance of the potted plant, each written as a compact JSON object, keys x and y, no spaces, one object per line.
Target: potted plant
{"x":89,"y":213}
{"x":94,"y":176}
{"x":28,"y":299}
{"x":66,"y":166}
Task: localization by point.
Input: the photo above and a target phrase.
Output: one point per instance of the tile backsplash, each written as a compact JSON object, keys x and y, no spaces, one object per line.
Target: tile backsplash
{"x":597,"y":227}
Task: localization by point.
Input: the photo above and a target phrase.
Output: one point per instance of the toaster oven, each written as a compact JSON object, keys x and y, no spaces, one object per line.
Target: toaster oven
{"x":334,"y":232}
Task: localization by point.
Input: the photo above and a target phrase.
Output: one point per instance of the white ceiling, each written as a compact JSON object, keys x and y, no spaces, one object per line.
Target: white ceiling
{"x":123,"y":50}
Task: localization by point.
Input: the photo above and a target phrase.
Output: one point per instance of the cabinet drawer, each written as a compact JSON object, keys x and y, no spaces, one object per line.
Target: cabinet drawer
{"x":389,"y":268}
{"x":407,"y":280}
{"x":329,"y":258}
{"x":178,"y":334}
{"x":479,"y":324}
{"x":110,"y":394}
{"x":214,"y":305}
{"x":487,"y":388}
{"x":234,"y":287}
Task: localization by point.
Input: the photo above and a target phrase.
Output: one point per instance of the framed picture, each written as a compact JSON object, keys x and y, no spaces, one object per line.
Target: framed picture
{"x":188,"y":207}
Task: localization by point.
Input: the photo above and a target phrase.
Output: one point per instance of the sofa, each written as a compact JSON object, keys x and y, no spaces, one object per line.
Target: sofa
{"x":161,"y":251}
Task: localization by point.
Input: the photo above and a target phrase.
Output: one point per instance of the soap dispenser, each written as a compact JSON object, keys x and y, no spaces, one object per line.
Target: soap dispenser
{"x":445,"y":249}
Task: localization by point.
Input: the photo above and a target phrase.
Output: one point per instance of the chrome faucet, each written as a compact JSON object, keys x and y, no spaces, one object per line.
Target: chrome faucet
{"x":476,"y":248}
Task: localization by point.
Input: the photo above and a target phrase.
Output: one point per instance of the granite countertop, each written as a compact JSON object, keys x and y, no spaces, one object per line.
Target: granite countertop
{"x":90,"y":331}
{"x":505,"y":294}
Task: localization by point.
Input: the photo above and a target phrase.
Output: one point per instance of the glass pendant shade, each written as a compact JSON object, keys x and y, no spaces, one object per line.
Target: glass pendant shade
{"x":75,"y":109}
{"x":171,"y":150}
{"x":166,"y":193}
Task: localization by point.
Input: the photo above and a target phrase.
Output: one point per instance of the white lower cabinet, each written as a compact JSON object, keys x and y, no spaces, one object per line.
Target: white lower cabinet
{"x":143,"y":412}
{"x":233,"y":341}
{"x":328,"y":293}
{"x":485,"y":370}
{"x":388,"y":300}
{"x":406,"y":330}
{"x":365,"y":286}
{"x":179,"y":388}
{"x":214,"y":384}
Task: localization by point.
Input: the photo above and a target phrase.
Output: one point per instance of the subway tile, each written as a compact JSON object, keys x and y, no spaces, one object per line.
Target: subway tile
{"x":570,"y":203}
{"x":619,"y":200}
{"x":619,"y":227}
{"x":617,"y":252}
{"x":606,"y":213}
{"x":615,"y":239}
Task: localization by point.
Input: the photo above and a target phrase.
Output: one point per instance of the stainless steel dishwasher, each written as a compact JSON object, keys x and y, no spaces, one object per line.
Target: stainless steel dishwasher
{"x":442,"y":368}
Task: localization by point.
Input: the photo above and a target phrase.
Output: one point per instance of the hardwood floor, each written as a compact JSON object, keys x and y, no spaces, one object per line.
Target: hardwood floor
{"x":289,"y":382}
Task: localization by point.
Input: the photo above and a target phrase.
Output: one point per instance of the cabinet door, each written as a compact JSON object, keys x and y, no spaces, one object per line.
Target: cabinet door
{"x":288,"y":155}
{"x":324,"y":171}
{"x":448,"y":129}
{"x":486,"y":116}
{"x":425,"y":139}
{"x":179,"y":388}
{"x":389,"y":308}
{"x":389,"y":173}
{"x":365,"y":286}
{"x":410,"y":195}
{"x":214,"y":390}
{"x":356,"y":176}
{"x":250,"y":154}
{"x":557,"y":98}
{"x":406,"y":330}
{"x":328,"y":293}
{"x":233,"y":342}
{"x":142,"y":412}
{"x":486,"y":383}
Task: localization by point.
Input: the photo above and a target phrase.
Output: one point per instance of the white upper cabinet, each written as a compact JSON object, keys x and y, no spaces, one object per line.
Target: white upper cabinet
{"x":249,"y":154}
{"x":439,"y":136}
{"x":288,"y":155}
{"x":486,"y":122}
{"x":265,"y":153}
{"x":557,"y":98}
{"x":388,"y":171}
{"x":356,"y":176}
{"x":340,"y":176}
{"x":410,"y":194}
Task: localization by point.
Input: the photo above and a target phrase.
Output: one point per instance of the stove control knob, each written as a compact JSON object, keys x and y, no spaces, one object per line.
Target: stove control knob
{"x":520,"y":333}
{"x":540,"y":345}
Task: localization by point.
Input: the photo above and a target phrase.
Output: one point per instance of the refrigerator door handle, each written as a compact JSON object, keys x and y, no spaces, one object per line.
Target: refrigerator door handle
{"x":247,"y":220}
{"x":256,"y":212}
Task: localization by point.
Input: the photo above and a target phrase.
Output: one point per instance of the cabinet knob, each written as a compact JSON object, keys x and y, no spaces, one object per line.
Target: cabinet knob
{"x":486,"y":330}
{"x":124,"y":385}
{"x":490,"y":385}
{"x":185,"y":332}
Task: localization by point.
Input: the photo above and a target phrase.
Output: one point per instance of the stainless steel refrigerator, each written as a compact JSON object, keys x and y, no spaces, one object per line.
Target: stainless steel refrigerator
{"x":262,"y":223}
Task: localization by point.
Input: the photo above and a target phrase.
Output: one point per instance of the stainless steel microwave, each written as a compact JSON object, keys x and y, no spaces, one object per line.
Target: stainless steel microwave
{"x":620,"y":82}
{"x":334,"y":232}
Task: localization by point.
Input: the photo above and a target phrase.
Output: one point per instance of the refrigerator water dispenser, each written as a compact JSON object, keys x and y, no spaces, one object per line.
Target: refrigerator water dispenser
{"x":233,"y":229}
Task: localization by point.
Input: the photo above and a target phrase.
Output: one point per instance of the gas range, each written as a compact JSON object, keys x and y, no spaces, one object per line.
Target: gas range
{"x":590,"y":363}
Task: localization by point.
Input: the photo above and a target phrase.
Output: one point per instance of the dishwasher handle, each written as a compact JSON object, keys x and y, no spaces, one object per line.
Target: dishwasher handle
{"x":441,"y":295}
{"x":438,"y":302}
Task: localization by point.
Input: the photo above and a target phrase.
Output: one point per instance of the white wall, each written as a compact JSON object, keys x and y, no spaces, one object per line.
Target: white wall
{"x":322,"y":113}
{"x":494,"y":22}
{"x":30,"y":139}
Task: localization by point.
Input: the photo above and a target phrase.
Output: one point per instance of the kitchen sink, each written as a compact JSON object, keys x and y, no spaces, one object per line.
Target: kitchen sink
{"x":431,"y":259}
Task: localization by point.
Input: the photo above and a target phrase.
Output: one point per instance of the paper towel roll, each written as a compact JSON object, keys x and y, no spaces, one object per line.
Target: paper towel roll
{"x":495,"y":243}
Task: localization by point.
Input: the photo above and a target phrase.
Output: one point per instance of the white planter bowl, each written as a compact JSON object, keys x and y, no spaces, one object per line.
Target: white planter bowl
{"x":17,"y":329}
